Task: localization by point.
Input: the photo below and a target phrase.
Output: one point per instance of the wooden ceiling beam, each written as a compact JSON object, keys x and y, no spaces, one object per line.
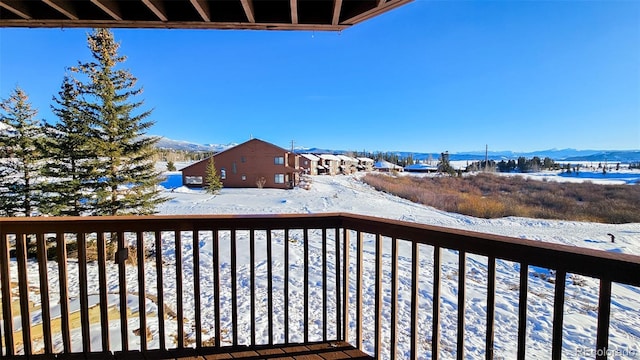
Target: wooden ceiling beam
{"x":337,"y":8}
{"x":83,"y":23}
{"x":157,"y":7}
{"x":64,"y":7}
{"x":294,"y":11}
{"x":110,"y":7}
{"x":391,"y":4}
{"x":202,"y":7}
{"x":16,"y":7}
{"x":247,"y":5}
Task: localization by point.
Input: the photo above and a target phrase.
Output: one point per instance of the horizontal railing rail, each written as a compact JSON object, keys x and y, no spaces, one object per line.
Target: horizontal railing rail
{"x":210,"y":281}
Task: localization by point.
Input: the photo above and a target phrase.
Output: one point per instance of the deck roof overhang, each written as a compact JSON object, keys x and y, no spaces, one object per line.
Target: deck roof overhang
{"x":193,"y":14}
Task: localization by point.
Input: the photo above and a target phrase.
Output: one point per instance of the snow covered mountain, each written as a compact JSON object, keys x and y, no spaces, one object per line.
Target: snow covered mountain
{"x":166,"y":143}
{"x":624,"y":156}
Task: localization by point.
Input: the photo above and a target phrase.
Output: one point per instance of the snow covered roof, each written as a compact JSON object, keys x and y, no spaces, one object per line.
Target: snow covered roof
{"x":365,"y":159}
{"x":421,"y":167}
{"x":329,"y":157}
{"x":347,"y":158}
{"x":310,"y":157}
{"x":382,"y":164}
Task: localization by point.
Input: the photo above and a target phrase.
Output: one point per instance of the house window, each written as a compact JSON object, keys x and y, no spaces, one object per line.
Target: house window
{"x":223,"y":173}
{"x":243,"y":159}
{"x":193,"y":180}
{"x":306,"y":162}
{"x":244,"y":177}
{"x":233,"y":168}
{"x":279,"y":179}
{"x":279,"y":160}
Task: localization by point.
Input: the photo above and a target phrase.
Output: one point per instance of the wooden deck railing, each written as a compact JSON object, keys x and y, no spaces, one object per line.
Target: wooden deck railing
{"x":211,"y":281}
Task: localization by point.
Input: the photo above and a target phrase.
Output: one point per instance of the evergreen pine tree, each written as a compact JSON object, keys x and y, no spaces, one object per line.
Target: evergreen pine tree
{"x":125,"y":180}
{"x":69,"y":155}
{"x":171,"y":166}
{"x":444,"y":165}
{"x":20,"y":159}
{"x":213,"y":181}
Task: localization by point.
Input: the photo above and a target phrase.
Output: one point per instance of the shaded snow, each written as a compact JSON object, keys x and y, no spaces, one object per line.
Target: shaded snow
{"x":348,"y":194}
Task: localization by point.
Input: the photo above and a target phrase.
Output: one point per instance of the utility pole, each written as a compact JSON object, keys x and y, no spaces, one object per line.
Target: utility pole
{"x":486,"y":157}
{"x":295,"y":165}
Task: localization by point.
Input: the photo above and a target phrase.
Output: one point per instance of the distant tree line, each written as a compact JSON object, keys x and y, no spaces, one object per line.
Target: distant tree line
{"x":522,"y":164}
{"x":391,"y":157}
{"x":95,"y":159}
{"x":181,"y":155}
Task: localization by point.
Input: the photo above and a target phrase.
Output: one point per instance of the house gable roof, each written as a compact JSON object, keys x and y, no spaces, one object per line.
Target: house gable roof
{"x":310,"y":157}
{"x":251,"y":141}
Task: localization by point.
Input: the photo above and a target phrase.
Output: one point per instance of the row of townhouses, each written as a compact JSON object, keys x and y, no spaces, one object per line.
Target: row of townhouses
{"x":257,"y":163}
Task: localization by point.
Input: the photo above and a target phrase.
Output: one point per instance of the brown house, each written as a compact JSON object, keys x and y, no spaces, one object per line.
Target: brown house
{"x":253,"y":163}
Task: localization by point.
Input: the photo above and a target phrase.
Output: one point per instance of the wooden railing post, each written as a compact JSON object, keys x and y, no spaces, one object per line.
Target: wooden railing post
{"x":558,"y":314}
{"x":160,"y":289}
{"x":179,"y":300}
{"x":491,"y":306}
{"x":121,"y":256}
{"x":63,"y":277}
{"x":338,"y":292}
{"x":142,"y":293}
{"x":359,"y":274}
{"x":270,"y":287}
{"x":102,"y":282}
{"x":44,"y":292}
{"x":378,"y":299}
{"x":394,"y":298}
{"x":7,"y":312}
{"x":324,"y":285}
{"x":81,"y":240}
{"x":23,"y":288}
{"x":346,"y":254}
{"x":462,"y":269}
{"x":604,"y":310}
{"x":305,"y":282}
{"x":522,"y":310}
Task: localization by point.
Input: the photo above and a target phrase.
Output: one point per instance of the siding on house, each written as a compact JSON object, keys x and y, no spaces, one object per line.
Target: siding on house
{"x":242,"y":166}
{"x":347,"y":164}
{"x":365,"y":163}
{"x":330,"y":163}
{"x":309,"y":164}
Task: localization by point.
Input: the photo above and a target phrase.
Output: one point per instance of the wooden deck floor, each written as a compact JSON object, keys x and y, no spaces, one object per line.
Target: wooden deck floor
{"x":323,"y":350}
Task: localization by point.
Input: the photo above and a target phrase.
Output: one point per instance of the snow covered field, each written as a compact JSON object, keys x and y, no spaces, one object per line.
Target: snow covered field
{"x":348,"y":194}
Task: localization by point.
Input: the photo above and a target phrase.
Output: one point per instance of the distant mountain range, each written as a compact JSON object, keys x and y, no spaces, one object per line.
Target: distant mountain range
{"x":166,"y":143}
{"x":623,"y":156}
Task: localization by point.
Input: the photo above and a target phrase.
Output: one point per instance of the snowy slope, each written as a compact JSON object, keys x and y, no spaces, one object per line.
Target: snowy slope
{"x":348,"y":194}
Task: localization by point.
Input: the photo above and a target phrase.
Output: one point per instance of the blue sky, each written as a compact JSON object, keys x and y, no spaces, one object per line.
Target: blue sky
{"x":426,"y":77}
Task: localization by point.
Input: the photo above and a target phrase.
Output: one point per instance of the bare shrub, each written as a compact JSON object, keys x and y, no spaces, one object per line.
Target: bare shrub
{"x":260,"y":182}
{"x":489,"y":196}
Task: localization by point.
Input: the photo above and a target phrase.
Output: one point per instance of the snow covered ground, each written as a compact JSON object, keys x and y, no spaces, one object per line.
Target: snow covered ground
{"x":348,"y":194}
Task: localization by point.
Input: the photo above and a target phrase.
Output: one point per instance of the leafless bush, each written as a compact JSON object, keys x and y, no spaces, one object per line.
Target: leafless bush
{"x":491,"y":196}
{"x":260,"y":182}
